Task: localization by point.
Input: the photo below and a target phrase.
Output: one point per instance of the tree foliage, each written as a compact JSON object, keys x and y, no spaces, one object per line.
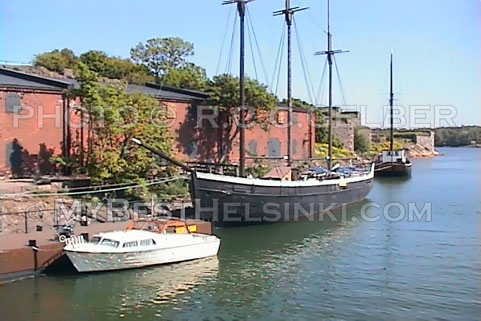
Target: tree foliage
{"x":299,"y":103}
{"x":223,"y":93}
{"x":98,"y":62}
{"x":361,"y":143}
{"x":189,"y":76}
{"x":322,"y":130}
{"x":115,"y":67}
{"x":115,"y":117}
{"x":160,"y":55}
{"x":457,"y":136}
{"x":56,"y":60}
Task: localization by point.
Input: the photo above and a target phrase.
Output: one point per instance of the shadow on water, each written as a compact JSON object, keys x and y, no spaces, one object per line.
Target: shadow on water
{"x":281,"y":235}
{"x":395,"y":180}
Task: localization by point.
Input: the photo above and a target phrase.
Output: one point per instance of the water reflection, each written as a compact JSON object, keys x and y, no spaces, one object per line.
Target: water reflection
{"x":107,"y":295}
{"x":127,"y":292}
{"x":340,"y":269}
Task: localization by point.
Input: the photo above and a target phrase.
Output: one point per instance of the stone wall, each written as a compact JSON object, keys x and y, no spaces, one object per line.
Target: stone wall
{"x":366,"y":132}
{"x":426,"y":141}
{"x":345,"y":133}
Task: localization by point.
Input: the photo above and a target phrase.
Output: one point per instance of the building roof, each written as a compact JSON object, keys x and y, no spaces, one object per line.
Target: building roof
{"x":278,"y":172}
{"x":295,"y":109}
{"x":166,"y":92}
{"x":18,"y":79}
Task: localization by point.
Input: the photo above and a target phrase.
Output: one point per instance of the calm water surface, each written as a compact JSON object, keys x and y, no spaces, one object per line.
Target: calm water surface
{"x":345,"y":269}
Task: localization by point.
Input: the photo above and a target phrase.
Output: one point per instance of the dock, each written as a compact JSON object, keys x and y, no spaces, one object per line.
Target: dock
{"x":26,"y":254}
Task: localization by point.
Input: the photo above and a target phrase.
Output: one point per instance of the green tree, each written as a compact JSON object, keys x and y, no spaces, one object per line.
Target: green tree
{"x":322,"y":130}
{"x":162,"y":54}
{"x":457,"y":136}
{"x":116,"y":116}
{"x":114,"y":67}
{"x":361,"y":143}
{"x":96,"y":61}
{"x":223,"y":93}
{"x":56,"y":60}
{"x":299,"y":103}
{"x":190,"y":76}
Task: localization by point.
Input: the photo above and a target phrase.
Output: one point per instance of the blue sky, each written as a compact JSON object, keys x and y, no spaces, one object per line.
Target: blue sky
{"x":435,"y":42}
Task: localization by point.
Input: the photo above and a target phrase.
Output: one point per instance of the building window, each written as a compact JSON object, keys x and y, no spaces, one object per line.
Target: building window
{"x":12,"y":103}
{"x":281,"y":117}
{"x":273,"y":147}
{"x":253,"y":147}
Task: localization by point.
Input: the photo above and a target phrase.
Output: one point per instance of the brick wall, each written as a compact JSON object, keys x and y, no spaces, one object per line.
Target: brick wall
{"x":30,"y":135}
{"x":217,"y":135}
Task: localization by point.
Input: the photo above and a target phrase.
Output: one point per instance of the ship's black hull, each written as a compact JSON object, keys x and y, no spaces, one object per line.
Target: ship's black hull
{"x":230,"y":203}
{"x":393,"y":170}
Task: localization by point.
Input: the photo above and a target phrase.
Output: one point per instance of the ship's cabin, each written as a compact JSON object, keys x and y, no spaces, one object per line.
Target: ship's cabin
{"x":396,"y":156}
{"x":115,"y":242}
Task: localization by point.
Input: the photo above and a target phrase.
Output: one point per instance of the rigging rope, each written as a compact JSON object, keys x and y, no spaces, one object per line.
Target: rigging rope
{"x":232,"y":40}
{"x":340,"y":82}
{"x":305,"y":69}
{"x":223,"y":40}
{"x":320,"y":91}
{"x":258,"y":48}
{"x":252,"y":49}
{"x":277,"y":66}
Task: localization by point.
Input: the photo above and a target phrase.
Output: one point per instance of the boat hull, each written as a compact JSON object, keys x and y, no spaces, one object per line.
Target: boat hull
{"x":393,"y":170}
{"x":95,"y":262}
{"x":231,"y":203}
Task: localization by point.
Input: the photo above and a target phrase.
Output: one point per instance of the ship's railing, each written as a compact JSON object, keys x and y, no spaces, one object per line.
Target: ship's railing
{"x":312,"y":161}
{"x":216,"y":168}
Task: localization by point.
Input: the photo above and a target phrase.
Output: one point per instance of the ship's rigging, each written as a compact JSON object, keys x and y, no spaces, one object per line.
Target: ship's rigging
{"x":316,"y":99}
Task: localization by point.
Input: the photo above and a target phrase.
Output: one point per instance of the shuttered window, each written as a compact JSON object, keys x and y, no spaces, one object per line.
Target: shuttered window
{"x":273,"y":147}
{"x":12,"y":103}
{"x":253,"y":147}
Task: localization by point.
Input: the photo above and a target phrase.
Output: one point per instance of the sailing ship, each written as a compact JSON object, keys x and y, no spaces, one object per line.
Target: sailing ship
{"x":234,"y":200}
{"x":392,"y":162}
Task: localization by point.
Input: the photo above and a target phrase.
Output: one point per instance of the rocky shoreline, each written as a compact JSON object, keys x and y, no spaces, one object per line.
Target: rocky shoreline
{"x":418,"y":151}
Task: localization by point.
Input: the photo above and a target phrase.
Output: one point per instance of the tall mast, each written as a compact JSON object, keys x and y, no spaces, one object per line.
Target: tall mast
{"x":288,"y":13}
{"x":241,"y":7}
{"x":391,"y":104}
{"x":330,"y":55}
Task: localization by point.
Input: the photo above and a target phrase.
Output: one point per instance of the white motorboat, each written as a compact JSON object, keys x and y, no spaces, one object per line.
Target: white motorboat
{"x":159,"y":243}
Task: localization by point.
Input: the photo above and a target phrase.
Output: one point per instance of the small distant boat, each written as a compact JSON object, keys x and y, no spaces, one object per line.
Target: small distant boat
{"x":392,"y":162}
{"x":155,"y":242}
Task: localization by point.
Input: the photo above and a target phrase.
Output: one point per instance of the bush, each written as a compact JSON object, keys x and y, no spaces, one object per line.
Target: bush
{"x":361,"y":143}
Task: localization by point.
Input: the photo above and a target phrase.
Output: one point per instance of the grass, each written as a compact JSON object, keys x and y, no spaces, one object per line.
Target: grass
{"x":321,"y":151}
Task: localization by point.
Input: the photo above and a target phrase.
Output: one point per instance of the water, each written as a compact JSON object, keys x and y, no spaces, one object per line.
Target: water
{"x":350,"y":269}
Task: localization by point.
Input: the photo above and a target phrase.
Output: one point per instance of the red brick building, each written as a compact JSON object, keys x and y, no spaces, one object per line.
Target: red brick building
{"x":31,"y":124}
{"x":33,"y":110}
